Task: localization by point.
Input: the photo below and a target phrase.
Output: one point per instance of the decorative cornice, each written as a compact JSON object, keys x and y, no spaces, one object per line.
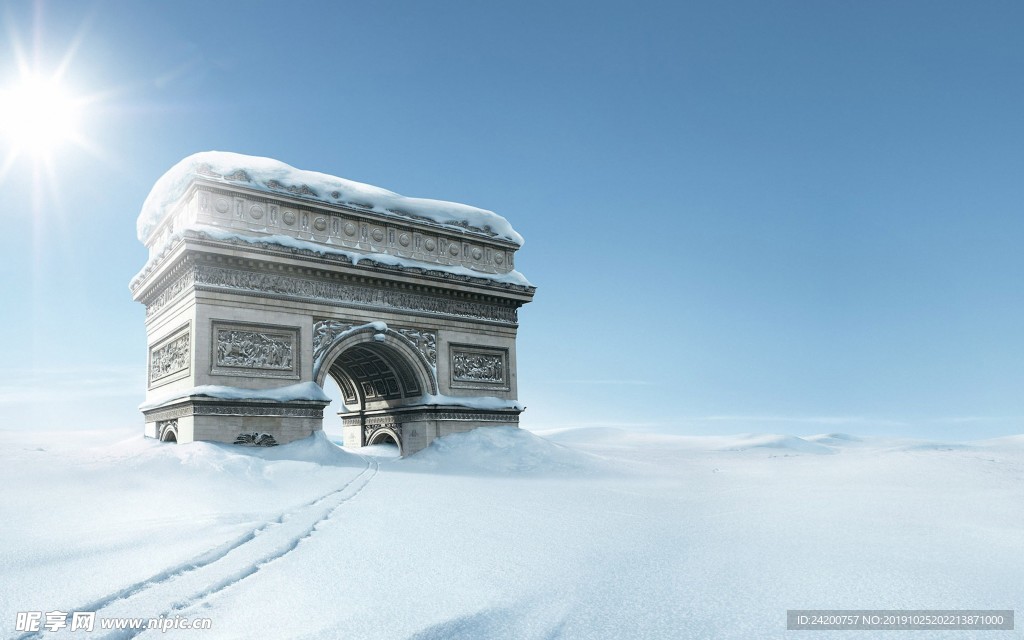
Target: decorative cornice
{"x":419,"y":414}
{"x":367,"y":263}
{"x":272,"y":251}
{"x":303,"y":196}
{"x":212,"y":272}
{"x":288,"y":287}
{"x":207,"y":407}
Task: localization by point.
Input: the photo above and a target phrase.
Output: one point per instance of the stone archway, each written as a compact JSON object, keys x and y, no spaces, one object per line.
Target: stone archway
{"x":412,"y":365}
{"x":168,"y":431}
{"x":263,"y":280}
{"x":382,"y":376}
{"x":386,"y":436}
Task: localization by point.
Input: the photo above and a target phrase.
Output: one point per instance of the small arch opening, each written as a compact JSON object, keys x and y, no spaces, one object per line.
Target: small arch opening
{"x":169,"y":436}
{"x":383,"y":445}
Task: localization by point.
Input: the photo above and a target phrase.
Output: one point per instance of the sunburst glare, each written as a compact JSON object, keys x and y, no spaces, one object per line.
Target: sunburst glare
{"x":42,"y":112}
{"x":38,"y":115}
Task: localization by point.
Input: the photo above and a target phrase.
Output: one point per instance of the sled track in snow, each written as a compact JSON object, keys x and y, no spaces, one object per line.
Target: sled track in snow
{"x":187,"y":584}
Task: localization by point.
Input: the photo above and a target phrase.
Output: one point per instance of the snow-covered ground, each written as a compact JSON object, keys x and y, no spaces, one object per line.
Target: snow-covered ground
{"x":501,"y":533}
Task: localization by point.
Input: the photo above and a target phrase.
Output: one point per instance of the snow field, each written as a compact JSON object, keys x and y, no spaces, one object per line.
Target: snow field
{"x":500,"y":533}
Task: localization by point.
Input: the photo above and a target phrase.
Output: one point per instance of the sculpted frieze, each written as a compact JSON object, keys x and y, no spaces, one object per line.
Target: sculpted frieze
{"x":188,"y":408}
{"x":252,"y":350}
{"x":170,"y":359}
{"x":171,"y":291}
{"x":478,"y":367}
{"x":242,"y":349}
{"x":276,"y":284}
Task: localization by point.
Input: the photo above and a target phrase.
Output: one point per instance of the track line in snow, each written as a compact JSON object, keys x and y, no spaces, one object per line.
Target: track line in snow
{"x":187,"y":584}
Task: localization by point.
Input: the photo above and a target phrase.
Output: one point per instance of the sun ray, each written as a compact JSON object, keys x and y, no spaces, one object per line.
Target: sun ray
{"x":20,"y":57}
{"x":43,"y":112}
{"x":74,"y":45}
{"x":9,"y":160}
{"x":40,"y":112}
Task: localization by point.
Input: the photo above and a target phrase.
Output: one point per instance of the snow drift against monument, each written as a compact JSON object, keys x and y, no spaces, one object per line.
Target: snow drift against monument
{"x":273,"y":176}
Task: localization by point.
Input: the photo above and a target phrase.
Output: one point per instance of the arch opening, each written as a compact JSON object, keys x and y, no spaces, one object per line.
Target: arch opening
{"x":384,"y":439}
{"x":381,"y":375}
{"x":374,"y":376}
{"x":384,"y":444}
{"x":377,"y":364}
{"x":169,"y":435}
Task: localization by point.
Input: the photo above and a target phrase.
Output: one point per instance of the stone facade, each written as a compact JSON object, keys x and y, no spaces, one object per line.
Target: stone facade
{"x":414,"y":320}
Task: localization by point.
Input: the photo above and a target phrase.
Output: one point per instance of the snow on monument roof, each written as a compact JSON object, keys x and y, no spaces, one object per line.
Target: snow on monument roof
{"x":274,"y":176}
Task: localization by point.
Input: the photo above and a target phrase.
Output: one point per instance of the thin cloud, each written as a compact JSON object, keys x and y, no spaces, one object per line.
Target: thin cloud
{"x":614,"y":382}
{"x":822,"y":420}
{"x":973,"y":419}
{"x":593,"y":423}
{"x":853,"y":420}
{"x":24,"y":386}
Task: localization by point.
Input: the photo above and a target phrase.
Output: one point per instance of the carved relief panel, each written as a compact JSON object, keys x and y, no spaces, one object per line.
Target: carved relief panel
{"x":425,"y":341}
{"x":257,"y":351}
{"x":479,"y":368}
{"x":170,"y":359}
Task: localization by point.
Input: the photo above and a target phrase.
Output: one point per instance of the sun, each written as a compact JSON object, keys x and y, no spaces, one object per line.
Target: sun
{"x":38,"y":115}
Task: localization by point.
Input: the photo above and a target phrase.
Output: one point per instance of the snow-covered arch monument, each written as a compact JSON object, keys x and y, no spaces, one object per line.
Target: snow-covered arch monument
{"x":263,"y":280}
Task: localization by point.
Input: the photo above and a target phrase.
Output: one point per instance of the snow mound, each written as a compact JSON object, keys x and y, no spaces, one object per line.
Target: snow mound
{"x":221,"y":458}
{"x":502,"y":451}
{"x":1005,"y":442}
{"x":836,"y":439}
{"x":273,"y":176}
{"x":588,"y":435}
{"x":317,"y":449}
{"x":934,"y":446}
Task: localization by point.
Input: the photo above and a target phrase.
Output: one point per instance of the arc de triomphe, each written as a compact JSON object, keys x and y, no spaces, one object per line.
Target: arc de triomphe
{"x":263,"y":280}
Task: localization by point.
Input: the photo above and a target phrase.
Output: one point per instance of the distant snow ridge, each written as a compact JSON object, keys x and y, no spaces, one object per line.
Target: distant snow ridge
{"x":839,"y":439}
{"x":777,"y":441}
{"x":274,"y":176}
{"x":606,"y":436}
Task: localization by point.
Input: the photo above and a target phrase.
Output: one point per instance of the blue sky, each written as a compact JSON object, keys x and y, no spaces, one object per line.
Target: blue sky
{"x":741,"y":216}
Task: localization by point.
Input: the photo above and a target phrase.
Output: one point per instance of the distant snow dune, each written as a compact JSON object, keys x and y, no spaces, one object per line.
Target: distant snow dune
{"x":503,"y":533}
